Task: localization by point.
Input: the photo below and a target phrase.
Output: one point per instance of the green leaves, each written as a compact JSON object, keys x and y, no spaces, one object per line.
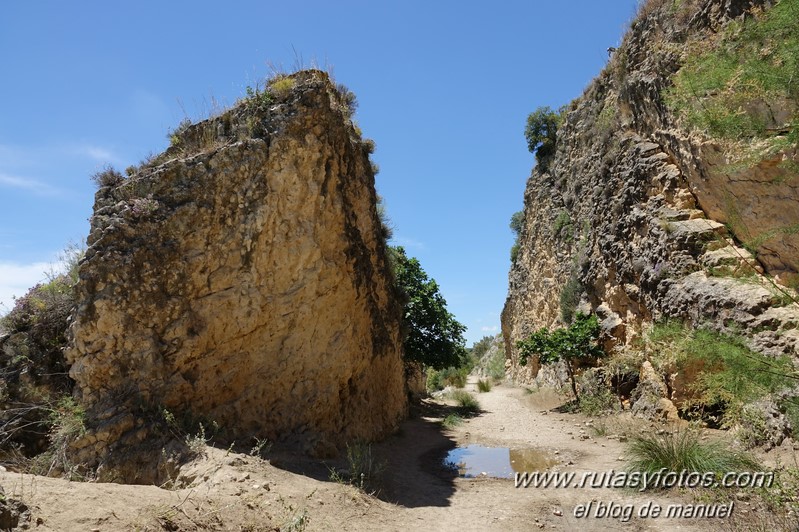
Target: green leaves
{"x":541,"y":132}
{"x":434,"y":336}
{"x":579,"y":340}
{"x":576,"y":341}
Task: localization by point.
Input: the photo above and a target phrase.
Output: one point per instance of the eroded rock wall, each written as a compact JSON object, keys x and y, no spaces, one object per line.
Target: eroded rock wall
{"x":633,"y":209}
{"x":242,"y":278}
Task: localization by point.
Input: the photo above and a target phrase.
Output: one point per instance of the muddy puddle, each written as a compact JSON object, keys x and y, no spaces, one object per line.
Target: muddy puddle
{"x":498,"y":462}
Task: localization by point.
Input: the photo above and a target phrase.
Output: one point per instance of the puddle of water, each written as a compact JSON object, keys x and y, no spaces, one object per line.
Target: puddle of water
{"x":498,"y":462}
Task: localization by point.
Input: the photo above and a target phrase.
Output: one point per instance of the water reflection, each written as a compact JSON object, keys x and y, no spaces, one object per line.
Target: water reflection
{"x":498,"y":462}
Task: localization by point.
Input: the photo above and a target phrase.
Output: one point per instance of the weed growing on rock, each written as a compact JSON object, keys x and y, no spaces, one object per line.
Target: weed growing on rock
{"x":729,"y":376}
{"x":570,"y":297}
{"x":175,"y":136}
{"x":107,"y":176}
{"x":723,"y":90}
{"x":261,"y":448}
{"x":281,"y":86}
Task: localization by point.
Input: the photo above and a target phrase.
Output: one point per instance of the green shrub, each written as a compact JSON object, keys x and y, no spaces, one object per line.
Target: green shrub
{"x":483,"y":385}
{"x":541,"y":133}
{"x":563,"y":227}
{"x":722,"y":90}
{"x":684,"y":451}
{"x":597,"y":401}
{"x":281,"y":86}
{"x":467,"y":403}
{"x":440,"y":379}
{"x":731,"y":374}
{"x":452,"y":421}
{"x":496,"y":365}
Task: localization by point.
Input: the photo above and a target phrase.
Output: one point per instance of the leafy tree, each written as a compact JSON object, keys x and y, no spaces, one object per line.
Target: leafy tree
{"x":541,"y":132}
{"x":578,"y":341}
{"x":516,"y":223}
{"x":434,"y":337}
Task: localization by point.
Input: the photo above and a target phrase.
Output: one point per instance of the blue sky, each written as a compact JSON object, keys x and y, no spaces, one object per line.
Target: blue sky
{"x":444,"y":88}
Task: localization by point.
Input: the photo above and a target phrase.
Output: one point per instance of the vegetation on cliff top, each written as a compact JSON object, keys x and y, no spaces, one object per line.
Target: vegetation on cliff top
{"x":736,"y":89}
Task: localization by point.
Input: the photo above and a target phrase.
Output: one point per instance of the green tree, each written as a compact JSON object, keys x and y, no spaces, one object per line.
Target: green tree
{"x":578,"y":341}
{"x":541,"y":132}
{"x":433,"y":336}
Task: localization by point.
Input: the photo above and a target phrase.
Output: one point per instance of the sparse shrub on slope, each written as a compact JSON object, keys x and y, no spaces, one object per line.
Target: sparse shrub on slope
{"x":33,"y":372}
{"x":728,"y":90}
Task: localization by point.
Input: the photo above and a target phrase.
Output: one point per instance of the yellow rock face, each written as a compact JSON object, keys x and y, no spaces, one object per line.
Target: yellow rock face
{"x":246,"y":282}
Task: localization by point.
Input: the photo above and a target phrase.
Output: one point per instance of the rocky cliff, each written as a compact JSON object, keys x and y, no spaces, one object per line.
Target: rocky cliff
{"x":239,"y":279}
{"x":643,"y":213}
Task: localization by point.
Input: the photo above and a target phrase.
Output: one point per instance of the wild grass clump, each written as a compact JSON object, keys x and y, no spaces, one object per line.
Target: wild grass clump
{"x":723,"y":90}
{"x":107,"y":176}
{"x":452,"y":421}
{"x":467,"y":403}
{"x":483,"y":385}
{"x":281,"y":86}
{"x":67,"y":422}
{"x":684,"y":451}
{"x":364,"y":471}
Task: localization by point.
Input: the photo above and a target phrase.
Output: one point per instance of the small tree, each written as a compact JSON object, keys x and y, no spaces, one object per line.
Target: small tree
{"x":434,"y":337}
{"x":541,"y":132}
{"x":578,"y":341}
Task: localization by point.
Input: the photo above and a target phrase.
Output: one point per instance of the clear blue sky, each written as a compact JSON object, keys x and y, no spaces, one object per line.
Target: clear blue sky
{"x":444,"y":88}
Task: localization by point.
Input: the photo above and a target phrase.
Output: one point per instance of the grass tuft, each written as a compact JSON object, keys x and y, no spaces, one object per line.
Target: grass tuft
{"x":467,"y":403}
{"x":684,"y":451}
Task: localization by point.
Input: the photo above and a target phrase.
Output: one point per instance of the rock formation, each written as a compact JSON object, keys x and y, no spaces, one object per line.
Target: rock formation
{"x":641,"y":218}
{"x":240,"y":278}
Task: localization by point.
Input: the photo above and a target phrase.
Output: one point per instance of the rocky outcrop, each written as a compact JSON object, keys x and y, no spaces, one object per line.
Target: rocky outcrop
{"x":640,"y":218}
{"x":241,"y":278}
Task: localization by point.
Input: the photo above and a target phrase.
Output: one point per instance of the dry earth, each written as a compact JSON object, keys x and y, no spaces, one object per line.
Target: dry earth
{"x":235,"y":491}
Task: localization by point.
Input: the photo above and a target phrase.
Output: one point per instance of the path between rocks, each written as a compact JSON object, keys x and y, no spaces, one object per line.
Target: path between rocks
{"x":233,"y":491}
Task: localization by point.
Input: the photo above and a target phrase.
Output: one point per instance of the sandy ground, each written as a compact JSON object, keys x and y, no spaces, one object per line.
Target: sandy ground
{"x":233,"y":491}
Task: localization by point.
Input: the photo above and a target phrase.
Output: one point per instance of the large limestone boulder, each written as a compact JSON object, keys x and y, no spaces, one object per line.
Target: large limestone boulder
{"x":242,"y":278}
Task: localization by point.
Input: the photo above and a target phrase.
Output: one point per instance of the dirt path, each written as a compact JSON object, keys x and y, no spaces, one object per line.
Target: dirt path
{"x":511,"y":417}
{"x":238,"y":492}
